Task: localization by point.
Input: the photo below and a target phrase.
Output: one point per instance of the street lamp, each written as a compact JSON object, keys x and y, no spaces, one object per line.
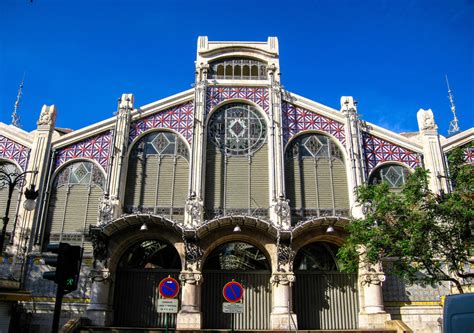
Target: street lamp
{"x":11,"y":180}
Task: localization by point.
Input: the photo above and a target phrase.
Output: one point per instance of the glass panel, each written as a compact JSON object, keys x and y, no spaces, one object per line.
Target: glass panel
{"x":160,"y":143}
{"x":83,"y":172}
{"x":149,"y":255}
{"x":237,"y":129}
{"x":313,"y":146}
{"x":238,"y":68}
{"x":237,"y":256}
{"x":394,"y":175}
{"x":320,"y":256}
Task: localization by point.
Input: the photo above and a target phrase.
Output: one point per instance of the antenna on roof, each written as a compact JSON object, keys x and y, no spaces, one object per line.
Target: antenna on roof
{"x":453,"y":124}
{"x":15,"y":116}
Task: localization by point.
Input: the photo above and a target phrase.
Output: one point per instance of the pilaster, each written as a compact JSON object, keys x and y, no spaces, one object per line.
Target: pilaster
{"x":355,"y":154}
{"x":111,"y":207}
{"x":194,"y":213}
{"x":280,"y":209}
{"x":38,"y":161}
{"x":433,"y":156}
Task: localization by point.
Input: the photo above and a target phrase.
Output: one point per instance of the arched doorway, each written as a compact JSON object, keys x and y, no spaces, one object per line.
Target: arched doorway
{"x":248,"y":265}
{"x":139,"y":271}
{"x":323,"y":298}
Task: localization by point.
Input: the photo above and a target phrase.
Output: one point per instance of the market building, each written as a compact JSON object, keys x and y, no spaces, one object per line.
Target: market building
{"x":236,"y":178}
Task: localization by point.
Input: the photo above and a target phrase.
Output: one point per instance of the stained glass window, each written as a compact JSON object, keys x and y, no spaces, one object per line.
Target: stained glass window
{"x":394,"y":175}
{"x":313,"y":146}
{"x":161,"y":143}
{"x":237,"y":129}
{"x":83,"y":172}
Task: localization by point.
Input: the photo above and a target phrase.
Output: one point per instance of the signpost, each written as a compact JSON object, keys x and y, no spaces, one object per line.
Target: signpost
{"x":233,"y":293}
{"x":168,"y":289}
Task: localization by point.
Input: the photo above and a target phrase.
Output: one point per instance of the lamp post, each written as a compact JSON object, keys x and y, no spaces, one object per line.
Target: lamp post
{"x":11,"y":180}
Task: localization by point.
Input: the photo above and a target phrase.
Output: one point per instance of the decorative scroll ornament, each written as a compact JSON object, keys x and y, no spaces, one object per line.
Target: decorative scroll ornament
{"x":193,"y":255}
{"x":106,"y":210}
{"x":190,"y":277}
{"x":282,"y":208}
{"x":99,"y":245}
{"x":99,"y":275}
{"x":194,"y":207}
{"x":286,"y":255}
{"x":372,"y":274}
{"x":283,"y":278}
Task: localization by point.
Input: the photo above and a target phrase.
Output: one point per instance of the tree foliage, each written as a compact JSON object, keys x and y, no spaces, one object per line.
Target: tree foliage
{"x":427,"y":236}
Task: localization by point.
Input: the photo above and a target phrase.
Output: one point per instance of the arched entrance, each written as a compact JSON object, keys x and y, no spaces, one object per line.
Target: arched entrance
{"x":248,"y":265}
{"x":139,"y":271}
{"x":324,"y":298}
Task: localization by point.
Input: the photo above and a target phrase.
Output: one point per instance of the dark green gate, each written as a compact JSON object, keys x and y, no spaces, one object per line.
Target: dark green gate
{"x":136,"y":298}
{"x":257,"y":300}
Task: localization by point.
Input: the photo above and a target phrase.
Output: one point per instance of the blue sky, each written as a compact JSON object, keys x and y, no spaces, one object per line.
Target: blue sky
{"x":390,"y":55}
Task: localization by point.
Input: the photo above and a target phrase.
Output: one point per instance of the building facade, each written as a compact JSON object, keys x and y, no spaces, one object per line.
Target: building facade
{"x":236,"y":178}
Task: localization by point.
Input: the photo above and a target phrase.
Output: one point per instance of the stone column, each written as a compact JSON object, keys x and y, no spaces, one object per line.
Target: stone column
{"x":282,"y":316}
{"x":372,"y":314}
{"x":99,"y":310}
{"x":194,"y":212}
{"x":115,"y":185}
{"x":190,"y":315}
{"x":433,"y":156}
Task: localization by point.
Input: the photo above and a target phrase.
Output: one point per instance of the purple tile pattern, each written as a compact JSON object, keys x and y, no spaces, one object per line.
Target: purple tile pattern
{"x":379,"y":151}
{"x":297,"y":119}
{"x":179,"y":118}
{"x":14,"y":151}
{"x":95,"y":148}
{"x":258,"y":95}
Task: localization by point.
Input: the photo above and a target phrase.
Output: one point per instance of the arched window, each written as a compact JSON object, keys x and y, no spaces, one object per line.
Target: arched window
{"x":74,"y":203}
{"x":237,"y":256}
{"x":317,"y":257}
{"x":393,"y":174}
{"x":238,"y":69}
{"x":157,"y":177}
{"x":237,"y":162}
{"x":10,"y":169}
{"x":316,"y":181}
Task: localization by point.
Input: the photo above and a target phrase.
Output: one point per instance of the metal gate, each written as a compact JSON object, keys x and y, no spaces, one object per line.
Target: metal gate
{"x":326,"y":300}
{"x":135,"y":300}
{"x":257,"y":300}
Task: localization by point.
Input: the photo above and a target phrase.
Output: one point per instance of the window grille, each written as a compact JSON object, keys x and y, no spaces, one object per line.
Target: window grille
{"x":393,"y":174}
{"x":238,"y":69}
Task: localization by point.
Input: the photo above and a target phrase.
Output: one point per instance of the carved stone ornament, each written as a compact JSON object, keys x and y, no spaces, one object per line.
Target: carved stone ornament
{"x":282,"y":209}
{"x":286,"y":255}
{"x":106,"y":210}
{"x":99,"y":275}
{"x":283,"y":278}
{"x":193,"y":255}
{"x":426,"y":120}
{"x":47,"y":115}
{"x":372,"y":274}
{"x":99,"y":244}
{"x":190,"y":277}
{"x":194,"y":207}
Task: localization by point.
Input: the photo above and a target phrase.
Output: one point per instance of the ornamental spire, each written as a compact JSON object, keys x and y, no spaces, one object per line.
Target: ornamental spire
{"x":15,"y":116}
{"x":453,"y":124}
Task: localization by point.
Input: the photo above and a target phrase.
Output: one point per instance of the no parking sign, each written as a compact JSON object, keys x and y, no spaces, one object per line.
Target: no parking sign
{"x":168,"y":288}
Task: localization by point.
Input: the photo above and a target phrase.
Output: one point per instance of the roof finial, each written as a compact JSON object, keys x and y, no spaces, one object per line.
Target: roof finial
{"x":453,"y":124}
{"x":15,"y":116}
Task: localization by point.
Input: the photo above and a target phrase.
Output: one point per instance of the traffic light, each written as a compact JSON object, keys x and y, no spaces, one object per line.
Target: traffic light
{"x":67,"y":263}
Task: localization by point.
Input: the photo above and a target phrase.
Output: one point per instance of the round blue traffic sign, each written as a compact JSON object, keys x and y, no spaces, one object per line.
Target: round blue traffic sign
{"x":168,"y":288}
{"x":233,"y":291}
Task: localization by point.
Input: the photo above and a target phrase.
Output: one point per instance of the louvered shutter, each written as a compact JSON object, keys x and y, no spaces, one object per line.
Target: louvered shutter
{"x":259,"y":190}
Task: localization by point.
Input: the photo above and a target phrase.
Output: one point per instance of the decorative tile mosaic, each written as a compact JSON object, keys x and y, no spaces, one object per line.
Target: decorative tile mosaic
{"x":179,"y":118}
{"x":297,"y":119}
{"x":469,"y":155}
{"x":378,"y":151}
{"x":14,"y":151}
{"x":258,"y":95}
{"x":394,"y":290}
{"x":96,"y":148}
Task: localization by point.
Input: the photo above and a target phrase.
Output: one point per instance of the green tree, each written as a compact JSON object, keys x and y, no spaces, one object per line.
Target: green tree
{"x":427,"y":237}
